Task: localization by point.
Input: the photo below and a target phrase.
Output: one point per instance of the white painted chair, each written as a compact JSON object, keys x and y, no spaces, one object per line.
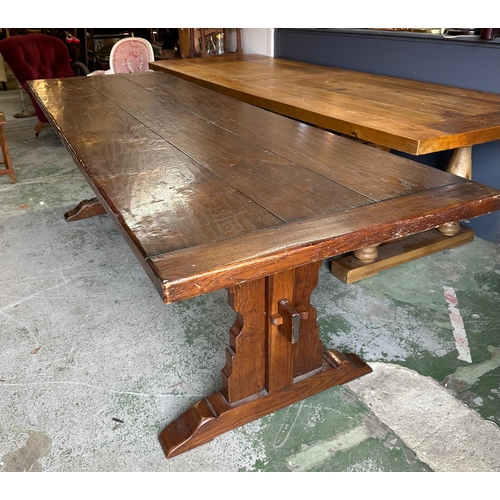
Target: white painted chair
{"x":131,"y":55}
{"x":128,"y":55}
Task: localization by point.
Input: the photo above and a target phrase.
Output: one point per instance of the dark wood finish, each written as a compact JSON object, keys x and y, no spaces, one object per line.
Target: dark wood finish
{"x":8,"y":170}
{"x":84,"y":210}
{"x":213,"y":415}
{"x":210,"y":192}
{"x":245,"y":371}
{"x":405,"y":115}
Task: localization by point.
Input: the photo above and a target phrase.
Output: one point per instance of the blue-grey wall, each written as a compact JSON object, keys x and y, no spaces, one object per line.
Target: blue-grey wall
{"x":470,"y":63}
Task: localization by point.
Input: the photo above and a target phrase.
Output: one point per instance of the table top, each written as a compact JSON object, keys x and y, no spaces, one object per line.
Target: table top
{"x":403,"y":115}
{"x":209,"y":191}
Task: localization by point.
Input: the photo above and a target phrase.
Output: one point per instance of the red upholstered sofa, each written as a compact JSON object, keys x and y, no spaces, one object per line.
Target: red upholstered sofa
{"x":34,"y":57}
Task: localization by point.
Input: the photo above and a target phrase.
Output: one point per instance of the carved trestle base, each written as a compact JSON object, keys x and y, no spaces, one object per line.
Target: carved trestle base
{"x":275,"y":358}
{"x":460,"y":164}
{"x":213,"y":416}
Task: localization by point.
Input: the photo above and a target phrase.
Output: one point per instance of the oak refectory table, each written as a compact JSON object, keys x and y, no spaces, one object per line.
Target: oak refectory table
{"x":394,"y":113}
{"x":210,"y":192}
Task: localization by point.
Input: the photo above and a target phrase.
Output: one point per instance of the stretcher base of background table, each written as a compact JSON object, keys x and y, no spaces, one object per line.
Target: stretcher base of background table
{"x":349,"y":269}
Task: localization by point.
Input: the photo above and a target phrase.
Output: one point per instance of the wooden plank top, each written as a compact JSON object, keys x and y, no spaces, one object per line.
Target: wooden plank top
{"x":210,"y":191}
{"x":400,"y":114}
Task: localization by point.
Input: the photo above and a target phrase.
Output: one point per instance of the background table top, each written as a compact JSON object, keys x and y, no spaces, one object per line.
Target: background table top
{"x":405,"y":115}
{"x":210,"y":191}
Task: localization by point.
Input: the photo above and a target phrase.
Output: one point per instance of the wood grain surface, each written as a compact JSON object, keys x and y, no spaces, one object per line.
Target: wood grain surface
{"x":210,"y":191}
{"x":405,"y":115}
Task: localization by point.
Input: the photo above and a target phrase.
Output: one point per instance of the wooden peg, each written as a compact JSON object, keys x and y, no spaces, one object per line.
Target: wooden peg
{"x":288,"y":319}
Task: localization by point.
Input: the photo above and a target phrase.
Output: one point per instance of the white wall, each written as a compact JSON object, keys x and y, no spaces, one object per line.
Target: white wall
{"x":258,"y":41}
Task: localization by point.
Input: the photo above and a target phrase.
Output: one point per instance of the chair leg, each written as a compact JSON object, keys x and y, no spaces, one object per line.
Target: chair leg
{"x":5,"y":152}
{"x":38,"y":127}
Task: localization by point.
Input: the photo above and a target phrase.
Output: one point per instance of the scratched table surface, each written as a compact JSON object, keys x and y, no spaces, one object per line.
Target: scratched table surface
{"x":405,"y":115}
{"x":209,"y":190}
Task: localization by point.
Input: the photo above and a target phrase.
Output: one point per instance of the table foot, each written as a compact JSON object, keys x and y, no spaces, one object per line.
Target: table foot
{"x":84,"y":210}
{"x":349,"y":269}
{"x":275,"y":358}
{"x":213,"y":416}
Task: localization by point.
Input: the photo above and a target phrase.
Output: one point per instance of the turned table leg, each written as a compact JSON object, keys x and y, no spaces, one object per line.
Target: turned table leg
{"x":460,"y":164}
{"x":275,"y":358}
{"x":367,"y":254}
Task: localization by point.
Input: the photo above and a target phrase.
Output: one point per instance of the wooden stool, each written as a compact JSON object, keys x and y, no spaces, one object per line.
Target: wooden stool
{"x":5,"y":151}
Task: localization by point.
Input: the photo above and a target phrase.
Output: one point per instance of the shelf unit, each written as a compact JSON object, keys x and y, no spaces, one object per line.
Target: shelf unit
{"x":193,"y":51}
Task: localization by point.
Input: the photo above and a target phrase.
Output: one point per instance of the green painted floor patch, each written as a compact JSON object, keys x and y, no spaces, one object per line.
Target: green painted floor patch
{"x":323,"y":432}
{"x":484,"y":397}
{"x":375,"y":455}
{"x":458,"y":268}
{"x":379,"y":328}
{"x":334,"y":432}
{"x":466,"y":376}
{"x":419,"y":310}
{"x":285,"y":432}
{"x":317,"y":454}
{"x":478,"y":385}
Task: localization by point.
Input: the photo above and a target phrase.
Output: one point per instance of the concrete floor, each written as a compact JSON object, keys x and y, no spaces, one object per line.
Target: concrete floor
{"x":93,"y":365}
